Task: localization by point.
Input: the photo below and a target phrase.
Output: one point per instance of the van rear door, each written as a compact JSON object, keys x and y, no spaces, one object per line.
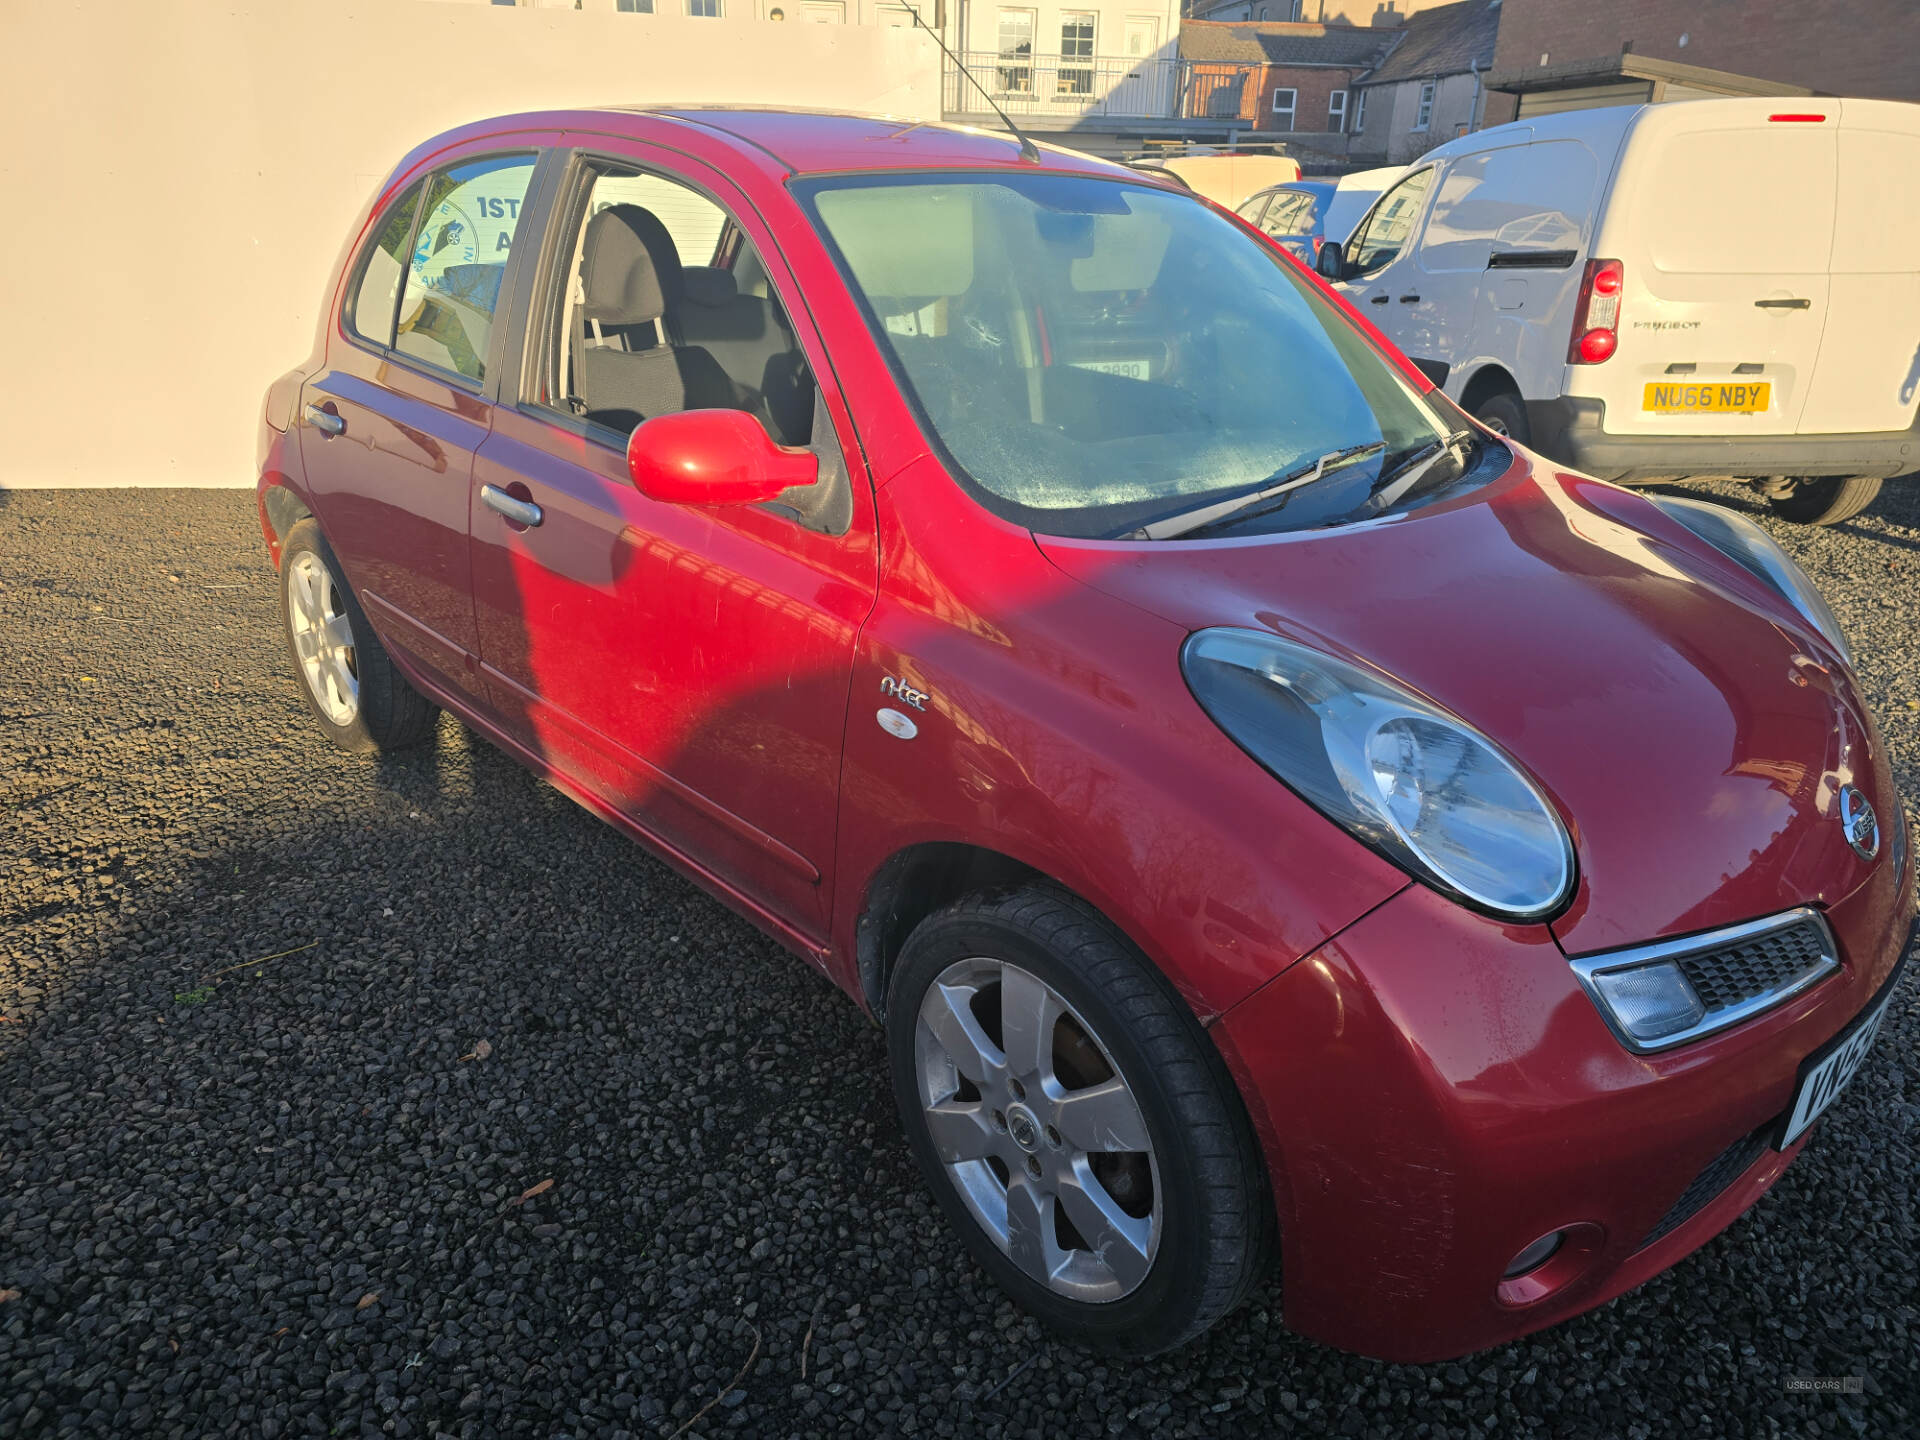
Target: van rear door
{"x":1868,"y":375}
{"x":1722,"y":212}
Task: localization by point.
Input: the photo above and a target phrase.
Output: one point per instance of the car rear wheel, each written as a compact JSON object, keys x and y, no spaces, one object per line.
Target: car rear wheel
{"x":1824,"y":499}
{"x":361,"y":701}
{"x":1075,"y":1124}
{"x":1505,"y":413}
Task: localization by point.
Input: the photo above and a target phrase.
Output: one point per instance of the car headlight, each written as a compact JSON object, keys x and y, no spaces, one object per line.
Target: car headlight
{"x":1418,"y":785}
{"x":1755,"y":551}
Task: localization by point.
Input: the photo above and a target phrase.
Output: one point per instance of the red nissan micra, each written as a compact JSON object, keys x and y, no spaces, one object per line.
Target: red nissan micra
{"x":1263,"y":809}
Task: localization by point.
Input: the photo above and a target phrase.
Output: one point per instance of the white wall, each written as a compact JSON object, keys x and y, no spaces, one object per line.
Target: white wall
{"x":180,"y":176}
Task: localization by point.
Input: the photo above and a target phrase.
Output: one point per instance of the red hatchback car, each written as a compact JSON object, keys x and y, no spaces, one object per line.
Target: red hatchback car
{"x":1263,"y":809}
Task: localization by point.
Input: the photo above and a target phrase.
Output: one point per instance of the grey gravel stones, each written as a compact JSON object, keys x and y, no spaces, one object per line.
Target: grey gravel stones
{"x":207,"y":1165}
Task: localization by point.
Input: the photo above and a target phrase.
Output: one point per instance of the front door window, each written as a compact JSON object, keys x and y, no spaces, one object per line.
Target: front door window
{"x":1383,"y":234}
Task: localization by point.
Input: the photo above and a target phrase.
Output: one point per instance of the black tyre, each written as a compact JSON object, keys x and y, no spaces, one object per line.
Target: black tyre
{"x":1826,"y":499}
{"x":1505,"y":413}
{"x":361,"y":701}
{"x":1075,"y":1123}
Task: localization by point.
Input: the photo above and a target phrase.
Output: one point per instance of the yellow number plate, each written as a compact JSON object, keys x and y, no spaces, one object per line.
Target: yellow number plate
{"x":1739,"y":397}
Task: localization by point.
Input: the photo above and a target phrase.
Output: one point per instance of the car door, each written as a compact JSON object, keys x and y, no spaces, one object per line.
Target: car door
{"x":390,"y":424}
{"x":687,"y":666}
{"x":1499,"y":259}
{"x":1378,"y":268}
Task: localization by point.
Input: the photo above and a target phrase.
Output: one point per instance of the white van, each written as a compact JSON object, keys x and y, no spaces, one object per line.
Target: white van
{"x":1702,"y":288}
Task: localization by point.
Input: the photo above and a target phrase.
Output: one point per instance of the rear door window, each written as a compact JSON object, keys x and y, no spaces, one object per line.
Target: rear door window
{"x":468,"y":220}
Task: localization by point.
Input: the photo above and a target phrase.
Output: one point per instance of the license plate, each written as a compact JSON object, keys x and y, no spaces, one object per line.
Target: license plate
{"x":1131,"y":369}
{"x":1708,"y":396}
{"x":1823,"y":1082}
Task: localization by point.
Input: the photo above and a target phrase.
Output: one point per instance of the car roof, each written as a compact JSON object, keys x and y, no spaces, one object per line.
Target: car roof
{"x":809,"y":142}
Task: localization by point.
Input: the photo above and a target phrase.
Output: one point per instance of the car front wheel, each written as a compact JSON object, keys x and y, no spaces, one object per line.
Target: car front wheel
{"x":1076,"y":1125}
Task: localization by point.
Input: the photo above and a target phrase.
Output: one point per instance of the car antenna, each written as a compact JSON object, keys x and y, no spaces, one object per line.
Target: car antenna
{"x":1028,"y":150}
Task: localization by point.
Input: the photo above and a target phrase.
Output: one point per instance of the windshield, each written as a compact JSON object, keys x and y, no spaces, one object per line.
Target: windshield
{"x":1096,"y":357}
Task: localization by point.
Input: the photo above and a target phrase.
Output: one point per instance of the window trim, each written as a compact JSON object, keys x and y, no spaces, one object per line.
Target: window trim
{"x":1337,"y":116}
{"x":1292,"y":92}
{"x":1423,"y":110}
{"x":532,"y":212}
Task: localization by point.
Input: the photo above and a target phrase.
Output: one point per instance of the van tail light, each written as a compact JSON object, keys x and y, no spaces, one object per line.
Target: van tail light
{"x":1596,"y":314}
{"x":1318,"y":241}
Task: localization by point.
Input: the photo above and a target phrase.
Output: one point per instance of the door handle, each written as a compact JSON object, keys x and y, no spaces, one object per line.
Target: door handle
{"x":521,"y":512}
{"x":1783,"y":304}
{"x":1376,"y":299}
{"x":1409,"y":299}
{"x":325,"y":421}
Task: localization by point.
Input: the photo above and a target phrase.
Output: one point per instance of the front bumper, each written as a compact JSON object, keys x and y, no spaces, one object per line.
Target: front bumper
{"x":1434,"y":1092}
{"x":1571,"y":430}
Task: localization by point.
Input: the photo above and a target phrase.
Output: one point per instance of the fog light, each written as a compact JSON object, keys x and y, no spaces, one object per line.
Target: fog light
{"x":1649,"y":1002}
{"x":1533,"y":1257}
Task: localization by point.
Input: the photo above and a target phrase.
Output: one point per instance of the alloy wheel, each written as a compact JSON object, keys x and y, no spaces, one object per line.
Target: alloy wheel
{"x":1038,"y":1130}
{"x":323,"y":637}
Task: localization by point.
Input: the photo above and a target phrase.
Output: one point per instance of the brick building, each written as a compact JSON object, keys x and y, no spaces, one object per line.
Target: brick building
{"x":1866,"y":47}
{"x":1432,"y":86}
{"x":1287,"y":78}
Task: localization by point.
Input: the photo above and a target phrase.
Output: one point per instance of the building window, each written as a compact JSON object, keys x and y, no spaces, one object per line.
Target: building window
{"x":1425,"y":117}
{"x":705,"y":9}
{"x":1016,"y":52}
{"x":1359,"y":111}
{"x":1337,"y":112}
{"x":634,"y":7}
{"x":1283,"y":109}
{"x":1076,"y":54}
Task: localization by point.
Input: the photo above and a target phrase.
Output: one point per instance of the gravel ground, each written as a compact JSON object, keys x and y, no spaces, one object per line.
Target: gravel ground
{"x":516,"y":1132}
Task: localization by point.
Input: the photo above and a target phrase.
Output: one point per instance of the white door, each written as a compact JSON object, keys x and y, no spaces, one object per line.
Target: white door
{"x":824,"y":12}
{"x":1380,"y":265}
{"x":1499,"y":259}
{"x":1867,"y":376}
{"x":1723,"y":219}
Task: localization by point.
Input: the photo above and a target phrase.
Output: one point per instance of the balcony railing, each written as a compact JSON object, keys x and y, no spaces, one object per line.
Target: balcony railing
{"x":1098,"y":86}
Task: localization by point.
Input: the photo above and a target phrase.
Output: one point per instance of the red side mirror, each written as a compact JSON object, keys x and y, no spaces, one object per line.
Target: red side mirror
{"x":714,"y":457}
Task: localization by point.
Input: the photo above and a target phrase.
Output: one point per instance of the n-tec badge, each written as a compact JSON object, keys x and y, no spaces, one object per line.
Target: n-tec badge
{"x":903,"y":692}
{"x":1861,"y":825}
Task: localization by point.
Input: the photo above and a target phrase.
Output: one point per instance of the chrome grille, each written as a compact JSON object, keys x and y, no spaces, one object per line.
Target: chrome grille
{"x":1734,"y":974}
{"x":1737,"y":973}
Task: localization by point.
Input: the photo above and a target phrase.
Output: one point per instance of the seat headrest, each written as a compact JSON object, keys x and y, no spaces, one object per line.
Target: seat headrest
{"x":709,"y":285}
{"x":629,"y":267}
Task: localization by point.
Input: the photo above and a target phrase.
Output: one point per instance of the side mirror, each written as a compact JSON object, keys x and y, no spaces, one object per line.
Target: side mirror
{"x":1332,"y":260}
{"x":714,"y":457}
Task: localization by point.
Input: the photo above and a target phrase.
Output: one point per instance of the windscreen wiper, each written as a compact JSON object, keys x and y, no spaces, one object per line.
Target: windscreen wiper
{"x":1395,"y":481}
{"x":1207,"y":516}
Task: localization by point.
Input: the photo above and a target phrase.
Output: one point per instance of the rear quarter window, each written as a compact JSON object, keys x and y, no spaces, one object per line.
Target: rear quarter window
{"x":379,"y":271}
